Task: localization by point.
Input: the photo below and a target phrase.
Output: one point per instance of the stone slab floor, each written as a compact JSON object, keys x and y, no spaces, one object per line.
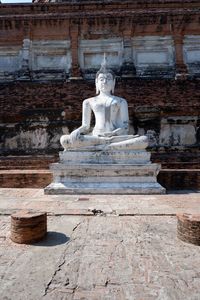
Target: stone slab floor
{"x":100,"y":247}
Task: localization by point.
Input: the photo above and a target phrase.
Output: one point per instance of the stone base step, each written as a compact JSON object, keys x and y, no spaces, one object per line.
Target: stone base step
{"x":171,"y":179}
{"x":178,"y":179}
{"x":25,"y":178}
{"x":180,"y":165}
{"x":27,"y":162}
{"x":176,"y":159}
{"x":35,"y":162}
{"x":104,"y":157}
{"x":105,"y":178}
{"x":123,"y":188}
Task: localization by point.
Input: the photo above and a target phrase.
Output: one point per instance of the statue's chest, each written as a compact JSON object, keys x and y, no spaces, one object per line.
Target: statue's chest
{"x":106,"y":107}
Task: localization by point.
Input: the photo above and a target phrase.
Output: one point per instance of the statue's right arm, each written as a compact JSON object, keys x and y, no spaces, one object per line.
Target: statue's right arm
{"x":86,"y":119}
{"x":86,"y":116}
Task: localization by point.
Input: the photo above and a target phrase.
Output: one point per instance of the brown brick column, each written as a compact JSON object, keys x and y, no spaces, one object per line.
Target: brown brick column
{"x":74,"y":34}
{"x":181,"y":68}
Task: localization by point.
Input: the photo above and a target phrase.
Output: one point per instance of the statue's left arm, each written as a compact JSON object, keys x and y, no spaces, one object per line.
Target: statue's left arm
{"x":123,"y":119}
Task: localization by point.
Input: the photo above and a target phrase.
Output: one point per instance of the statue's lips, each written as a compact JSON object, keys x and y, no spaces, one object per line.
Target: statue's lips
{"x":105,"y":86}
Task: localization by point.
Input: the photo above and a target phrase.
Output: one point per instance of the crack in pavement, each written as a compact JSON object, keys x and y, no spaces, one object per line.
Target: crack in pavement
{"x":82,"y":246}
{"x":77,"y":226}
{"x":62,"y":262}
{"x":56,"y":271}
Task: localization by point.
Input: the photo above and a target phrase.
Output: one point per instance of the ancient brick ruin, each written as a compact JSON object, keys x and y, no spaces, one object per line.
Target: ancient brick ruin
{"x":49,"y":53}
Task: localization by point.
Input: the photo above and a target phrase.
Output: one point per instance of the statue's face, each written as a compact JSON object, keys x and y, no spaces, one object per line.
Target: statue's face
{"x":105,"y":82}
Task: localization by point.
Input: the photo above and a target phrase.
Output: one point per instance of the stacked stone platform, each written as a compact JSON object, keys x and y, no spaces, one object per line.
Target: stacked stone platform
{"x":33,"y":171}
{"x":105,"y":172}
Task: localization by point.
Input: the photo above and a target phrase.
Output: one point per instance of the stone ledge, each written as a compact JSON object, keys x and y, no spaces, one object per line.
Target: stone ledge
{"x":105,"y":157}
{"x":176,"y":179}
{"x":180,"y":179}
{"x":26,"y":162}
{"x":116,"y":188}
{"x":99,"y":170}
{"x":25,"y":178}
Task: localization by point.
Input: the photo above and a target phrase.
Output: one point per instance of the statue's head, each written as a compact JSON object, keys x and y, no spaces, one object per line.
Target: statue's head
{"x":105,"y":79}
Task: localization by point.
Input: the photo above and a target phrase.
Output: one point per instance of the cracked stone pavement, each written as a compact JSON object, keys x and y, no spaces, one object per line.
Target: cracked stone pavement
{"x":100,"y":247}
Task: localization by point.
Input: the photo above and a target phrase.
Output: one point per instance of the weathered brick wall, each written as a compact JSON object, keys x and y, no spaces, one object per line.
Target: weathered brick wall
{"x":24,"y":27}
{"x":171,"y":96}
{"x":34,"y":115}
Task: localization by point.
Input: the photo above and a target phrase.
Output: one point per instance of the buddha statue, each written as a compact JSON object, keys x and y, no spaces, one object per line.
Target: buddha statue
{"x":111,"y":120}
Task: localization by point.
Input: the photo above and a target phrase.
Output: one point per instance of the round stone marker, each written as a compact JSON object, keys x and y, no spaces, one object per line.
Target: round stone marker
{"x":28,"y":226}
{"x":188,"y":228}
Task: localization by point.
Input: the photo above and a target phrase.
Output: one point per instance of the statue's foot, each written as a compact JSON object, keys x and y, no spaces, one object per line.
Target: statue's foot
{"x":137,"y":143}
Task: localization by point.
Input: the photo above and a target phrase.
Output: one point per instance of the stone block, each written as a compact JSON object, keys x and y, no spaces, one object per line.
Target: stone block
{"x":188,"y":228}
{"x":176,"y":131}
{"x":153,"y":55}
{"x":191,"y":52}
{"x":28,"y":227}
{"x":105,"y":157}
{"x":91,"y":53}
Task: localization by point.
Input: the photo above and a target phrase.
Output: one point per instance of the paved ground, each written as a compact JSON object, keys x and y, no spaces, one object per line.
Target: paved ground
{"x":100,"y":247}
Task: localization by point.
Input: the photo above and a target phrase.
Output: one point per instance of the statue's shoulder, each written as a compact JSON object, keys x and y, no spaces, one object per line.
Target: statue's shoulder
{"x":119,"y":99}
{"x":89,"y":100}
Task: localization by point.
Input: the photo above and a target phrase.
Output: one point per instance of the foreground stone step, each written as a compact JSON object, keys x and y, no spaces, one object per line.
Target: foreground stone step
{"x":171,"y":179}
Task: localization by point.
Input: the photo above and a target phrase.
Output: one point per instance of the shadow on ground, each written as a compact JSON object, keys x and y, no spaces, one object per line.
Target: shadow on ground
{"x":171,"y":192}
{"x":53,"y":238}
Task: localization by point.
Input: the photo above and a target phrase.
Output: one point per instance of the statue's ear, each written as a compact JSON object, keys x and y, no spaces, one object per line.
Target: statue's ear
{"x":113,"y":87}
{"x":97,"y":90}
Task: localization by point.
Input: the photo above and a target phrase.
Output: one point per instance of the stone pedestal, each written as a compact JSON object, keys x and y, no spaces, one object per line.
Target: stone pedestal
{"x":104,"y":172}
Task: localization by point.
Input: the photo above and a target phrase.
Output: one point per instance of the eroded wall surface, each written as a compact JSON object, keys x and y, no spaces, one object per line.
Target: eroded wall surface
{"x":35,"y":115}
{"x":49,"y":54}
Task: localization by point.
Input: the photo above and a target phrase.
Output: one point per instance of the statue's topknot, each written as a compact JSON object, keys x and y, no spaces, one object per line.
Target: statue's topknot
{"x":104,"y":69}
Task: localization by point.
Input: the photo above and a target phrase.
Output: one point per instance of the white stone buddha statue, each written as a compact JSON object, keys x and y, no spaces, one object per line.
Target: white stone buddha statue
{"x":111,"y":120}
